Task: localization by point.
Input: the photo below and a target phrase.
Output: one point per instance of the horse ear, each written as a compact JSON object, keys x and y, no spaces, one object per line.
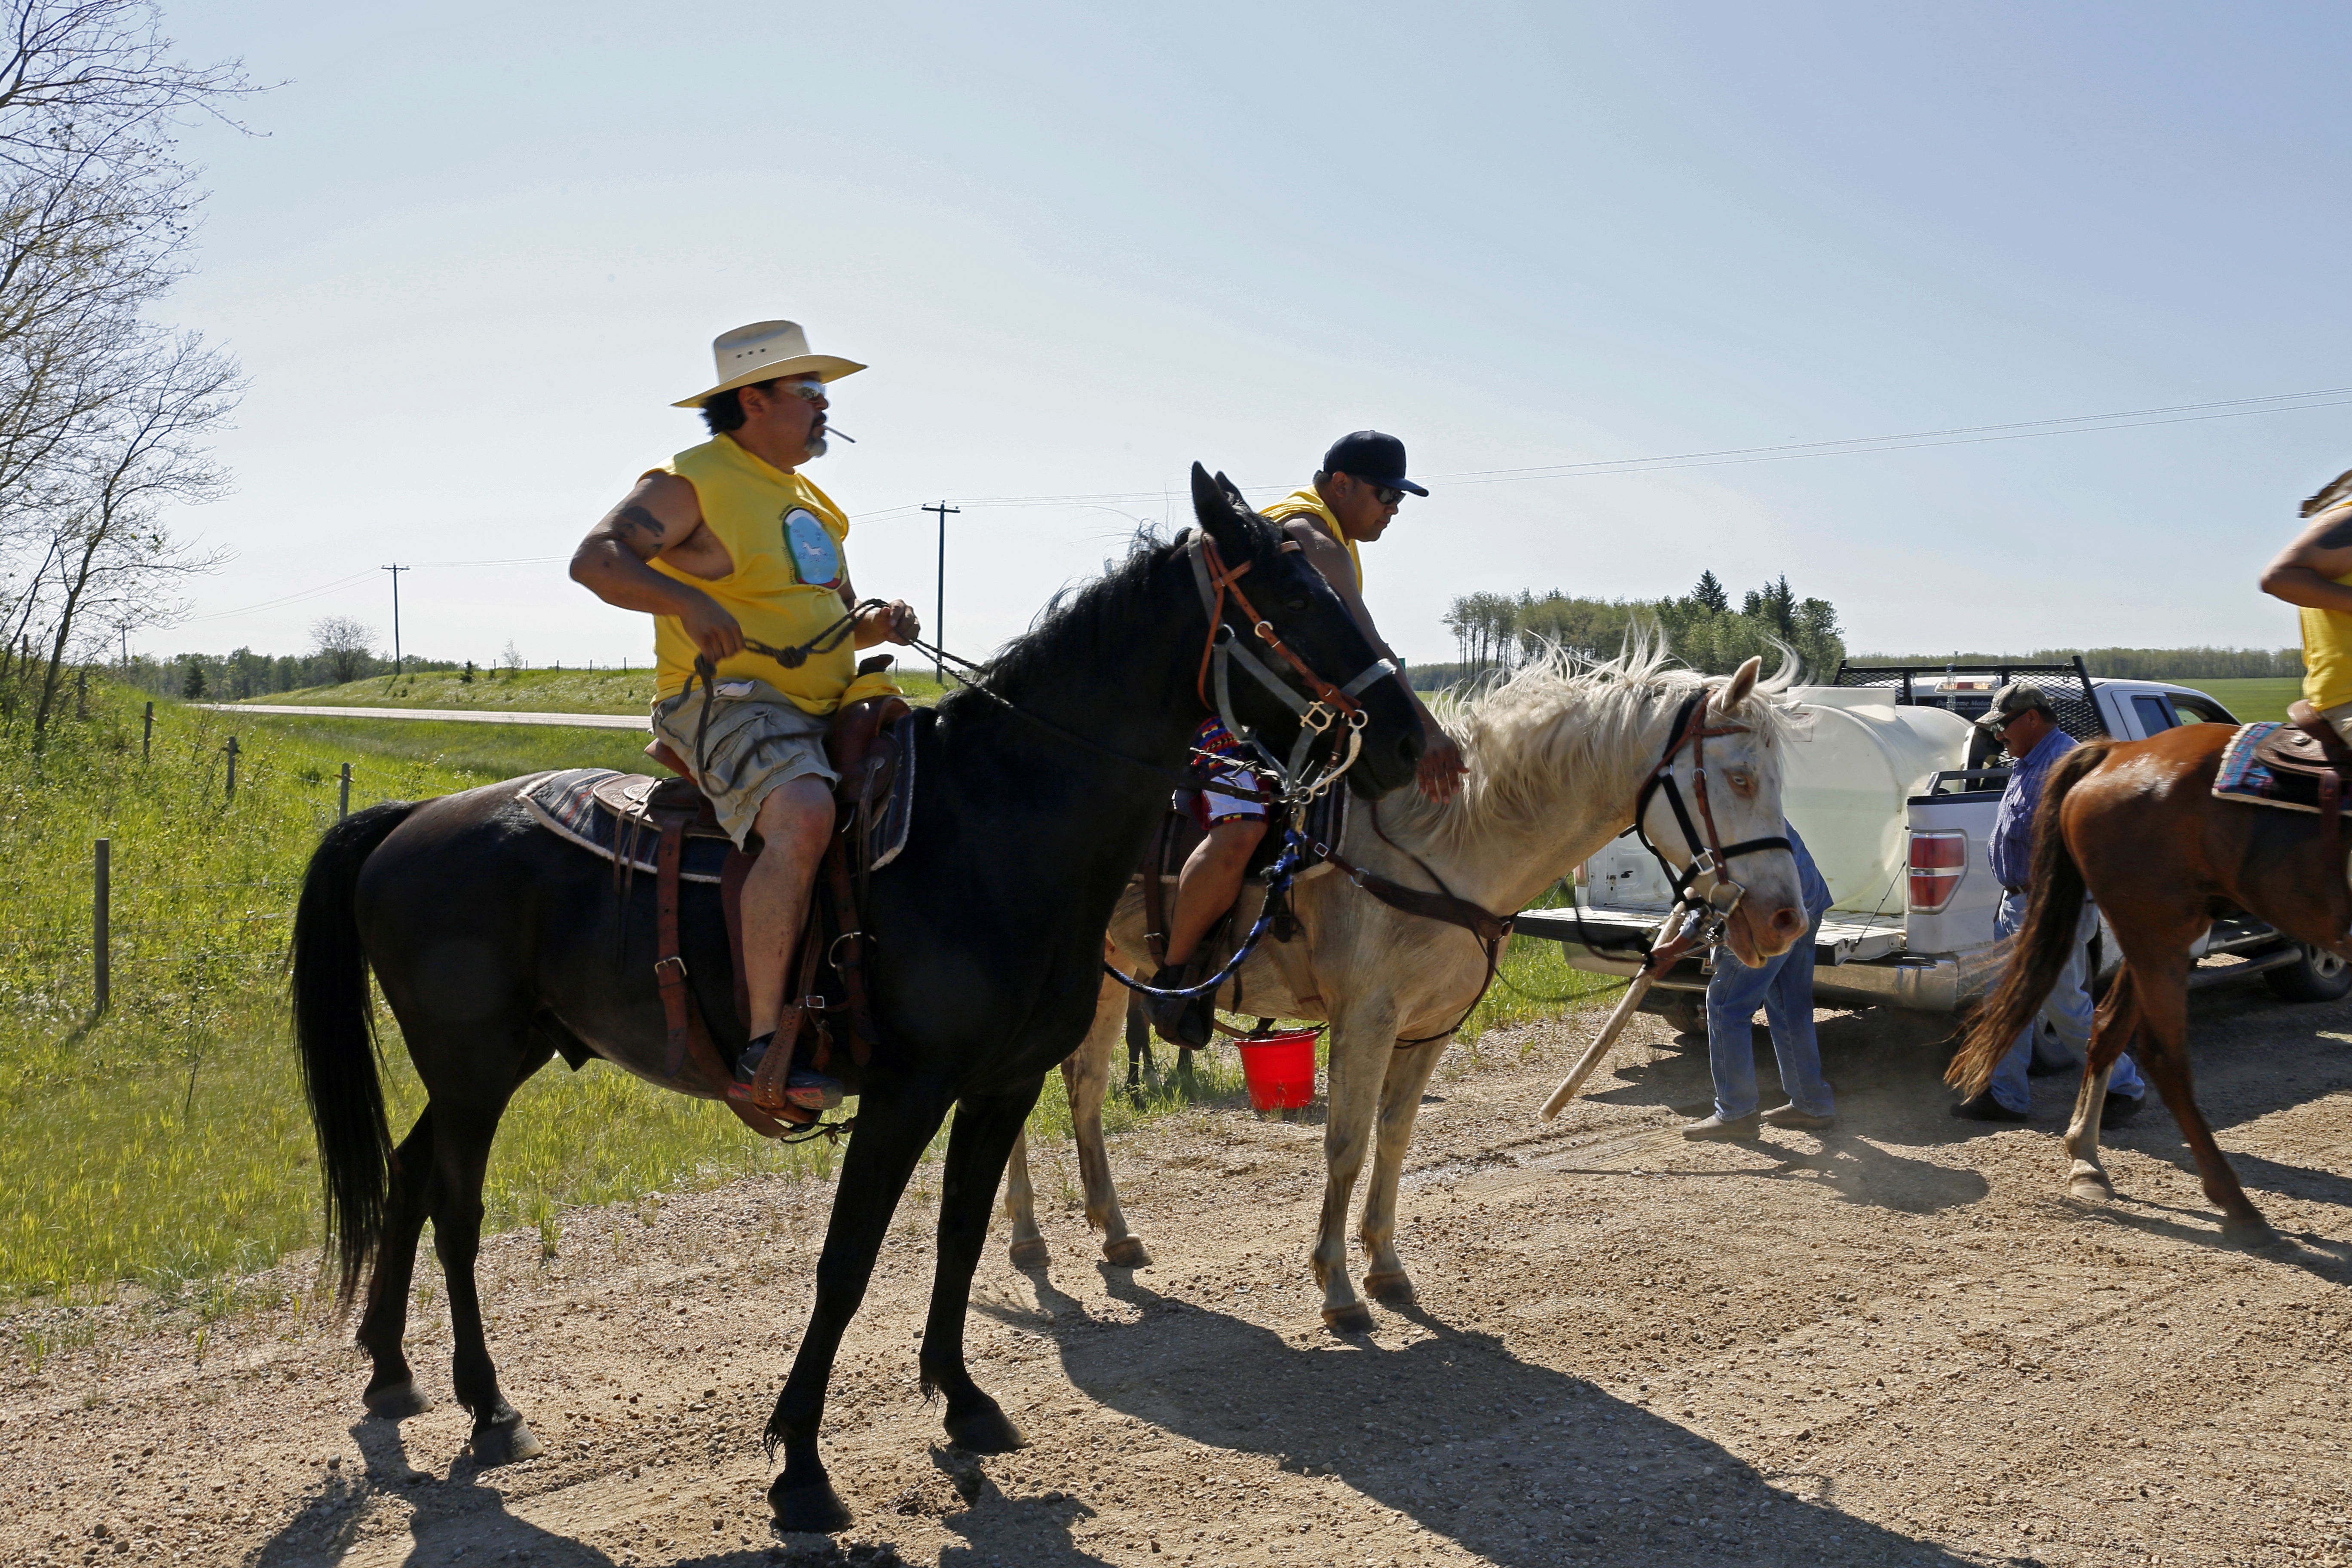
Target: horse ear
{"x":1222,"y":512}
{"x":1742,"y":682}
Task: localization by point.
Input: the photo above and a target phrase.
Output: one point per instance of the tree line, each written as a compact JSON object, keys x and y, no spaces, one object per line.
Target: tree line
{"x":1496,"y":632}
{"x":2131,"y":663}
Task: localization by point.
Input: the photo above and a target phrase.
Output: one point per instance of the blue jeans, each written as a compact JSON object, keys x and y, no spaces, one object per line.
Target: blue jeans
{"x":2068,"y":1012}
{"x":1784,"y":988}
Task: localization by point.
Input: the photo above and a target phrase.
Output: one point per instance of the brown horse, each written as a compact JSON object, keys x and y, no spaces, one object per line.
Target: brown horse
{"x":2136,"y":824}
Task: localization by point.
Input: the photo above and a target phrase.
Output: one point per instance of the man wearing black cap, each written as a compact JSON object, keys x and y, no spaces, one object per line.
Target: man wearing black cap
{"x":1351,"y":502}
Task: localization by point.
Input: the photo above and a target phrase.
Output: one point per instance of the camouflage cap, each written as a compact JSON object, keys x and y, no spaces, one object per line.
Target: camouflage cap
{"x":2011,"y":701}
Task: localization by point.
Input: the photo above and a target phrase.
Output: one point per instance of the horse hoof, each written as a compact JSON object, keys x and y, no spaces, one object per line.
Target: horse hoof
{"x":2248,"y":1230}
{"x":1352,"y":1318}
{"x":2091,"y":1189}
{"x":814,"y":1508}
{"x":506,"y":1441}
{"x":1127,"y":1252}
{"x":984,"y":1429}
{"x":1391,"y":1289}
{"x":1032,"y":1254}
{"x":395,"y":1401}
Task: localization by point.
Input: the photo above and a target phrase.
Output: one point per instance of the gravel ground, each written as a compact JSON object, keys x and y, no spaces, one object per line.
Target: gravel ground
{"x":1898,"y":1344}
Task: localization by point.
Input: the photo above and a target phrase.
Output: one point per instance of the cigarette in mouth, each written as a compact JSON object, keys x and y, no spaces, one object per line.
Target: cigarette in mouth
{"x":830,"y":433}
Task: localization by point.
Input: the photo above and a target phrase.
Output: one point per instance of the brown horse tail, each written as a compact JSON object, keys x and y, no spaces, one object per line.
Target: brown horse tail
{"x":334,"y":1026}
{"x":2041,"y":947}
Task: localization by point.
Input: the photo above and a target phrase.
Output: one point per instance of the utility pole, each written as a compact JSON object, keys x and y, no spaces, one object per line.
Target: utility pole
{"x":395,"y":572}
{"x":939,"y":622}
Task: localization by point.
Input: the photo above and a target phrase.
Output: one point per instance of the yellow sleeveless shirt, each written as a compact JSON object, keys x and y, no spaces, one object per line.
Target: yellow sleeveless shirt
{"x":1305,"y":502}
{"x":785,"y":536}
{"x":2327,"y":656}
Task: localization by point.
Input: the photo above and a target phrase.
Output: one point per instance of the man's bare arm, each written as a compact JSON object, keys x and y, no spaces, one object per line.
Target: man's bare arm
{"x":659,"y":515}
{"x":2305,"y":572}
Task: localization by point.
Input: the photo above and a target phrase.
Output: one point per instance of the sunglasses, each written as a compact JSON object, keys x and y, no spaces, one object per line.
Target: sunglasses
{"x":1387,"y":495}
{"x":809,"y":391}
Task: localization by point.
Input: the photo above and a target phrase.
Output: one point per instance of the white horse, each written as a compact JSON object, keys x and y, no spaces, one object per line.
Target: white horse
{"x":1559,"y":757}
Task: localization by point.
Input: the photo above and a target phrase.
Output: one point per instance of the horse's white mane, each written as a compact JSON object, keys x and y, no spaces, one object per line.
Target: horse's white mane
{"x":1559,"y":723}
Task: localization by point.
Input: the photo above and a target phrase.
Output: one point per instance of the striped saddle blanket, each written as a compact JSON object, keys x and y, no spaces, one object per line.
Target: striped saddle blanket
{"x":2272,"y":764}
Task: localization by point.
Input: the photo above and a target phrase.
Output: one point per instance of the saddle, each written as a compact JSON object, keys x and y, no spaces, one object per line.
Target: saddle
{"x":669,"y":827}
{"x":1180,"y":833}
{"x":2301,"y":765}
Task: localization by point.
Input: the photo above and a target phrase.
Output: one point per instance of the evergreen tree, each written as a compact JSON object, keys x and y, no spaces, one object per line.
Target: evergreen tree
{"x":192,"y":685}
{"x":1708,"y":594}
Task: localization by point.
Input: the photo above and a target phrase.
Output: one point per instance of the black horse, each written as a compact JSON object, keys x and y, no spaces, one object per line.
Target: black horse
{"x":498,"y":945}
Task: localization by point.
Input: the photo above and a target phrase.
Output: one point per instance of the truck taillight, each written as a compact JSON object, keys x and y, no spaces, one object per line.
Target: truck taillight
{"x":1938,"y":861}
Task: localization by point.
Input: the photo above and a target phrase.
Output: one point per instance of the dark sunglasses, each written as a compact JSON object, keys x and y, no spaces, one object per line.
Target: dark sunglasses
{"x":1387,"y":495}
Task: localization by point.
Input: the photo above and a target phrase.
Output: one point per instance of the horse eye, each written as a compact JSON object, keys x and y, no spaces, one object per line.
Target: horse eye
{"x":1295,"y":606}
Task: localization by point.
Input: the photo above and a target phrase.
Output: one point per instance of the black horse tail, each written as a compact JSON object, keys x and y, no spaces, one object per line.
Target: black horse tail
{"x":2041,"y":945}
{"x":334,"y":1025}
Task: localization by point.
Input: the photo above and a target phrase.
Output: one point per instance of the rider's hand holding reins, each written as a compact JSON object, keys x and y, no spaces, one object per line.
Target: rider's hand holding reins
{"x":894,"y":622}
{"x":1441,"y":767}
{"x":716,"y":633}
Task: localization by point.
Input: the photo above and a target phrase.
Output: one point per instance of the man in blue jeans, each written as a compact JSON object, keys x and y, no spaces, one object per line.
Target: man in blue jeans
{"x":1784,"y":988}
{"x":2022,"y":716}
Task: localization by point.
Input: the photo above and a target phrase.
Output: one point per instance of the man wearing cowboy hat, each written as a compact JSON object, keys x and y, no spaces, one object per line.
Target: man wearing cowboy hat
{"x":1352,"y":499}
{"x":729,"y":549}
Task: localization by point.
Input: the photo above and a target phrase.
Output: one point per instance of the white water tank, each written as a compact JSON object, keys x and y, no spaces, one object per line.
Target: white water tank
{"x":1845,"y":786}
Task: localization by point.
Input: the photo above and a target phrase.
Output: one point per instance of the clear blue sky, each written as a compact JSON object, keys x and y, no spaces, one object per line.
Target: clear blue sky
{"x":481,"y":247}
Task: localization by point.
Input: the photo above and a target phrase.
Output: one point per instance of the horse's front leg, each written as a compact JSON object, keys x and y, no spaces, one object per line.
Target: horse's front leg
{"x":1364,"y":1036}
{"x":985,"y":1129}
{"x":1385,"y":1281}
{"x":895,"y":1120}
{"x":1086,"y":1075}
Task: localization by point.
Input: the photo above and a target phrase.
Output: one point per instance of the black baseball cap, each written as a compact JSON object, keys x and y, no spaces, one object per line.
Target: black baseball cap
{"x":1372,"y":458}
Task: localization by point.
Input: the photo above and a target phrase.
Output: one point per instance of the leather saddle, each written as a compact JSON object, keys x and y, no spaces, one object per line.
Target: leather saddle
{"x":2308,"y":761}
{"x":866,"y":752}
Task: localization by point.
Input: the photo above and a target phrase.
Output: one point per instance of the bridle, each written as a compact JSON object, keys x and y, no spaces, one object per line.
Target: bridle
{"x":1323,"y":705}
{"x":1710,"y":857}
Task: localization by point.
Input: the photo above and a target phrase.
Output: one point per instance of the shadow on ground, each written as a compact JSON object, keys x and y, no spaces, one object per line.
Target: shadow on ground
{"x":1514,"y":1462}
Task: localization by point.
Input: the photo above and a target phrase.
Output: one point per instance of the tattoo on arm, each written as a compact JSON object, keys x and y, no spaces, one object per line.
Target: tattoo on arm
{"x":640,"y":526}
{"x":2338,"y":537}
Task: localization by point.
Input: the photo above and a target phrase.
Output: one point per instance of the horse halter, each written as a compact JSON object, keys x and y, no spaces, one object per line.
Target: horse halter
{"x":1710,"y":856}
{"x":1324,"y":704}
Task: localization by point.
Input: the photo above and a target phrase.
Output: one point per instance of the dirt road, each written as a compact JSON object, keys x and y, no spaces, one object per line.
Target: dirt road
{"x":1899,"y":1343}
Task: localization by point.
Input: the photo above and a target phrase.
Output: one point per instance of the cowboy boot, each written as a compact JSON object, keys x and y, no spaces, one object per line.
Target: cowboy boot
{"x":1178,"y":1020}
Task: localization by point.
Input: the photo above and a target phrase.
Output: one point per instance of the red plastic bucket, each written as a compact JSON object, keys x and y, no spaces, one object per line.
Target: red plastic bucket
{"x":1279,"y":1069}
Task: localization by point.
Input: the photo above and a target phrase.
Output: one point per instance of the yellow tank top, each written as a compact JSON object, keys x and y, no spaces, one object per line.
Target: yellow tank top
{"x":2327,"y":656}
{"x":785,"y":538}
{"x":1307,"y":502}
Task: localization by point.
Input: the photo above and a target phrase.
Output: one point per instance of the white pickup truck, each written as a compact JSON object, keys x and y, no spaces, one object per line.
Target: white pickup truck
{"x":1894,"y":795}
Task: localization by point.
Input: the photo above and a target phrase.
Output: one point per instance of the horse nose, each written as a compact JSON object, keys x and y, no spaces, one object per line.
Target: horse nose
{"x":1410,"y":746}
{"x":1788,"y":923}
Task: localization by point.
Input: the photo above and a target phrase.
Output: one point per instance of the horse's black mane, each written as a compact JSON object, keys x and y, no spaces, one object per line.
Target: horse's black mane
{"x":1082,"y":625}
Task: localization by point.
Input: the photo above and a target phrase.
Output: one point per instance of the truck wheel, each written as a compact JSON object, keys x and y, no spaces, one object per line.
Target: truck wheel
{"x":1684,"y":1011}
{"x":2316,"y":976}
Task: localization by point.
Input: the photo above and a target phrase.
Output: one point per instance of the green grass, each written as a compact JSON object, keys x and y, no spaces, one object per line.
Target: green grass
{"x":2261,"y":698}
{"x":518,"y":691}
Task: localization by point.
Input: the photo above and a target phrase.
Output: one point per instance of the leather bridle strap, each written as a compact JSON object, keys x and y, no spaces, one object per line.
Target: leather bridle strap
{"x":1710,"y":857}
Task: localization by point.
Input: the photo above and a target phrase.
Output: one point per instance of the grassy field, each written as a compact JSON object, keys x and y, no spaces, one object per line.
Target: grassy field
{"x":2254,"y":699}
{"x":518,"y":691}
{"x":166,"y":1142}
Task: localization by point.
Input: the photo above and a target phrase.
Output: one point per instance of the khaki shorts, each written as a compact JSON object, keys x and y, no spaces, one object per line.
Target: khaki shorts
{"x":759,"y":738}
{"x":2339,"y":719}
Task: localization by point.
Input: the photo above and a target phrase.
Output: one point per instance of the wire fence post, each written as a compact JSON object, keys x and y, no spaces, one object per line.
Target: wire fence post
{"x":232,"y":769}
{"x":101,"y":946}
{"x":147,"y":732}
{"x":343,"y":805}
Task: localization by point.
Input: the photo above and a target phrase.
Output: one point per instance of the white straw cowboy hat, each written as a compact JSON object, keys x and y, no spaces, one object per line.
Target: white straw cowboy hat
{"x":762,"y":352}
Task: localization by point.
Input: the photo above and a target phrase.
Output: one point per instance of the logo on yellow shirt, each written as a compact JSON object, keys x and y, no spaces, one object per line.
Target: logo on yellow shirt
{"x":814,"y":555}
